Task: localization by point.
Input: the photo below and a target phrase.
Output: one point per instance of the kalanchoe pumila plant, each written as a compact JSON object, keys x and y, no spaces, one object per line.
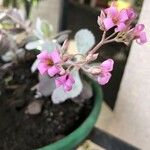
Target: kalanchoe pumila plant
{"x":63,"y":67}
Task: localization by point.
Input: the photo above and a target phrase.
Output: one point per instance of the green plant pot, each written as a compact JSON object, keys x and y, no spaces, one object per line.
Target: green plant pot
{"x":76,"y":137}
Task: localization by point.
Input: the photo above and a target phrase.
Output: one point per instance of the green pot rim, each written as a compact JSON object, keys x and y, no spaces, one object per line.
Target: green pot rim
{"x":77,"y":136}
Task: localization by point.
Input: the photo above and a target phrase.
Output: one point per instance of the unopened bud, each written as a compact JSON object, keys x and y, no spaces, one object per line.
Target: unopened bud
{"x":65,"y":57}
{"x":91,"y":57}
{"x":62,"y":71}
{"x":94,"y":70}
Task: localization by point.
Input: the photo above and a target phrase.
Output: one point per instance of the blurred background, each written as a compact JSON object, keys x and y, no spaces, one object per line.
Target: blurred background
{"x":129,"y":108}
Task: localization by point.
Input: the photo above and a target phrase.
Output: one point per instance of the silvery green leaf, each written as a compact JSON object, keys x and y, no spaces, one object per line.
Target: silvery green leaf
{"x":34,"y":66}
{"x":59,"y":95}
{"x":46,"y":85}
{"x":50,"y":46}
{"x":62,"y":33}
{"x":2,"y":15}
{"x":34,"y":44}
{"x":86,"y":93}
{"x":46,"y":29}
{"x":30,"y":38}
{"x":15,"y":13}
{"x":43,"y":29}
{"x":8,"y":56}
{"x":85,"y":40}
{"x":62,"y":38}
{"x":38,"y":31}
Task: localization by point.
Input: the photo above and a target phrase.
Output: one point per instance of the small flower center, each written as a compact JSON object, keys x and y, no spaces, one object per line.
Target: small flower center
{"x":115,"y":20}
{"x":49,"y":62}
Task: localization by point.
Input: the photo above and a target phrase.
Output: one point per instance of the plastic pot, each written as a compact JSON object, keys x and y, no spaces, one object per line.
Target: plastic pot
{"x":77,"y":136}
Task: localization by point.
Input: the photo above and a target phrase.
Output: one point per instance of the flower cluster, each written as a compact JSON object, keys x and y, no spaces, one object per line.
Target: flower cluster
{"x":121,"y":21}
{"x":51,"y":64}
{"x":59,"y":64}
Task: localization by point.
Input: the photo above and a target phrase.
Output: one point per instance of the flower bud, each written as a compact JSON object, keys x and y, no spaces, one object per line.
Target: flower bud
{"x":62,"y":71}
{"x":91,"y":57}
{"x":65,"y":57}
{"x":94,"y":70}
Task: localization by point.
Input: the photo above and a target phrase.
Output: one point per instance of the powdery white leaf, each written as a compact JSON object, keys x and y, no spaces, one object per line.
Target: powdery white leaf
{"x":85,"y":40}
{"x":59,"y":95}
{"x":43,"y":29}
{"x":34,"y":44}
{"x":46,"y":85}
{"x":38,"y":31}
{"x":46,"y":28}
{"x":50,"y":45}
{"x":62,"y":33}
{"x":42,"y":45}
{"x":62,"y":38}
{"x":86,"y":93}
{"x":2,"y":15}
{"x":8,"y":56}
{"x":15,"y":13}
{"x":34,"y":66}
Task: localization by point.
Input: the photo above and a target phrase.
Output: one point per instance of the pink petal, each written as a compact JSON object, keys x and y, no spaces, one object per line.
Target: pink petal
{"x":123,"y":16}
{"x":139,"y":27}
{"x":107,"y":65}
{"x":71,"y":79}
{"x":142,"y":39}
{"x":131,"y":13}
{"x":68,"y":83}
{"x":42,"y":68}
{"x":67,"y":88}
{"x":111,"y":11}
{"x":108,"y":23}
{"x":43,"y":55}
{"x":55,"y":56}
{"x":120,"y":27}
{"x":104,"y":78}
{"x":53,"y":71}
{"x":58,"y":82}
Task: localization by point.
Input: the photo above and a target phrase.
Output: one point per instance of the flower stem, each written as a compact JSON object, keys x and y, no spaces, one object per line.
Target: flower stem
{"x":110,"y":36}
{"x":102,"y":42}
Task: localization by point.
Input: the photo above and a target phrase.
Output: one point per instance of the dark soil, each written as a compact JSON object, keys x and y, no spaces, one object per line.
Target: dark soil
{"x":19,"y":131}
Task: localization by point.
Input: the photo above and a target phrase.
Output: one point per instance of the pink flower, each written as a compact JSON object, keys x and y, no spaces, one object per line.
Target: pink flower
{"x":66,"y":81}
{"x":139,"y":34}
{"x":131,"y":14}
{"x":114,"y":18}
{"x":49,"y":63}
{"x":105,"y":75}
